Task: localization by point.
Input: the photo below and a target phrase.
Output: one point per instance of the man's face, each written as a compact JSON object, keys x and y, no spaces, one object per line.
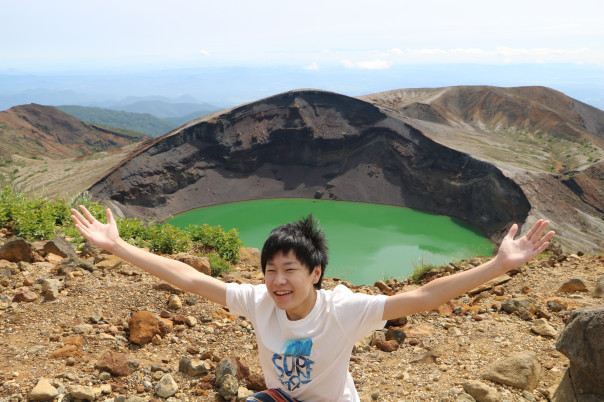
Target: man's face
{"x":291,"y":285}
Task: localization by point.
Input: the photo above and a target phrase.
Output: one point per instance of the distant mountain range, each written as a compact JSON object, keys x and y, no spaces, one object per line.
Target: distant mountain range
{"x":150,"y":117}
{"x":140,"y":122}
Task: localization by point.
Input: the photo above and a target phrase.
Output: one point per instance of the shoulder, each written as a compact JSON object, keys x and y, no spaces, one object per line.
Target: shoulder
{"x":343,"y":296}
{"x":244,"y":298}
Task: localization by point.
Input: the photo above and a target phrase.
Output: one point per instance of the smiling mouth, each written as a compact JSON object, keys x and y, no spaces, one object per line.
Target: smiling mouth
{"x":283,"y":292}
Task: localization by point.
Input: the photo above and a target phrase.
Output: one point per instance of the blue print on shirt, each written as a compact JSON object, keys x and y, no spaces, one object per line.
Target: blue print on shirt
{"x":293,"y":366}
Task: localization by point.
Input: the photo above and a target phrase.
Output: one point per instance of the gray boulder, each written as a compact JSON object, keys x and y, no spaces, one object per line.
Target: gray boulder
{"x":60,"y":247}
{"x":581,"y":341}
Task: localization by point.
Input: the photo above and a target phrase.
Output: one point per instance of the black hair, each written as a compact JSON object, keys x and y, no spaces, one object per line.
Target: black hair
{"x":305,"y":238}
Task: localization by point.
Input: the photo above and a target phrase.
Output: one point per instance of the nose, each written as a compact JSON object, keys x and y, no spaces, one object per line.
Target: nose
{"x":279,"y":278}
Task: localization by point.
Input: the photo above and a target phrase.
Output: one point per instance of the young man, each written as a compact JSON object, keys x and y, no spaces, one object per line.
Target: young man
{"x":305,"y":335}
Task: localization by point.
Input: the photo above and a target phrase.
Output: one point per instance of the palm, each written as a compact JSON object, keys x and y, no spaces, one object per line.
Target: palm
{"x":99,"y":234}
{"x":514,"y":252}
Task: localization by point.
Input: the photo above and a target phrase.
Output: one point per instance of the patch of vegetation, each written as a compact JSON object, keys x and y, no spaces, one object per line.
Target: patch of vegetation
{"x":421,"y":270}
{"x":218,"y":265}
{"x":563,"y":154}
{"x":43,"y":218}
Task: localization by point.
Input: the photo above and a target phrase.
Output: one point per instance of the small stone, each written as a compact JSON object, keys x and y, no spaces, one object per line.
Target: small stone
{"x":43,"y":391}
{"x":144,"y":326}
{"x":193,"y":367}
{"x":174,"y":302}
{"x":387,"y":346}
{"x":228,"y":387}
{"x":83,"y":392}
{"x":454,"y":331}
{"x":555,"y":306}
{"x":51,"y":288}
{"x":191,"y":321}
{"x":573,"y":285}
{"x":381,"y":285}
{"x":24,"y":295}
{"x":226,"y":366}
{"x":543,"y":328}
{"x":104,"y":376}
{"x":115,"y":363}
{"x":481,"y":392}
{"x":82,"y":329}
{"x":243,"y":393}
{"x":96,"y":316}
{"x":397,"y":334}
{"x":521,"y":370}
{"x":166,"y":386}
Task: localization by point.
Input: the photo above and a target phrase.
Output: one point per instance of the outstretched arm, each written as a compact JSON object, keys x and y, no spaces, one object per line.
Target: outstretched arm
{"x":175,"y":272}
{"x":512,"y":253}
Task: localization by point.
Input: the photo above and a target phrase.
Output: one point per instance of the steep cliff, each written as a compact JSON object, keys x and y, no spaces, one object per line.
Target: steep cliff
{"x":310,"y":143}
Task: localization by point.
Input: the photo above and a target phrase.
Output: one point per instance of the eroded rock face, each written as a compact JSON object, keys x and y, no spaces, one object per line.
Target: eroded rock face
{"x":581,"y":342}
{"x":311,"y":144}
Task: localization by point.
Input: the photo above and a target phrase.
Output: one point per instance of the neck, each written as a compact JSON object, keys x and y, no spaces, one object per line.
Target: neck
{"x":304,"y":310}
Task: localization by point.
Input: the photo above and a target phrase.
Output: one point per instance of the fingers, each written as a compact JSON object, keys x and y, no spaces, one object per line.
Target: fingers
{"x":78,"y":219}
{"x":110,"y":219}
{"x":512,"y":232}
{"x":530,"y":233}
{"x":535,"y":233}
{"x":87,"y":214}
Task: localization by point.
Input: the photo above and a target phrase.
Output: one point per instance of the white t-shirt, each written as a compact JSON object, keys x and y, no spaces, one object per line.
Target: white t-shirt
{"x":309,"y":358}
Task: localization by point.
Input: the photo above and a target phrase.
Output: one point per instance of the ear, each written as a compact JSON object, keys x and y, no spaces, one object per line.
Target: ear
{"x":316,"y":274}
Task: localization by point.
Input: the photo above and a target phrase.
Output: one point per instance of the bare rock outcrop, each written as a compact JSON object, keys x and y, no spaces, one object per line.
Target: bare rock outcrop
{"x":581,"y":342}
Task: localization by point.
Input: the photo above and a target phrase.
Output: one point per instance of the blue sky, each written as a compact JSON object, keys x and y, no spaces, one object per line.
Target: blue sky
{"x":371,"y":37}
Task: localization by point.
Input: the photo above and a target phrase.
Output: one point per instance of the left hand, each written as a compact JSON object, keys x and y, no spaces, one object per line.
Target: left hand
{"x":513,"y":253}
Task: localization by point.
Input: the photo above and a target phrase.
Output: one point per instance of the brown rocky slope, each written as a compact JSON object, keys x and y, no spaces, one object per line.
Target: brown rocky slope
{"x":548,"y":143}
{"x":46,"y":132}
{"x":92,"y":327}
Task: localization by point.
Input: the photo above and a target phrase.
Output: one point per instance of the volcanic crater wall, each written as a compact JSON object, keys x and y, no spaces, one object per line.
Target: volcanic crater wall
{"x":310,"y":144}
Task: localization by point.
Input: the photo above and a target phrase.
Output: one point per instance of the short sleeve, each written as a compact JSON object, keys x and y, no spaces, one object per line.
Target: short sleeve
{"x":239,"y":299}
{"x":358,"y":314}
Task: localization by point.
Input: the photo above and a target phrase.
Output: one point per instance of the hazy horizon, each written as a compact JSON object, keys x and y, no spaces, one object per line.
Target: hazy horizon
{"x":227,"y":53}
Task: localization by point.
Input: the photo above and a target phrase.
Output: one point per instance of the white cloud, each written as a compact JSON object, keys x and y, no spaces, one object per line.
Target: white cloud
{"x":377,"y":64}
{"x":495,"y":55}
{"x":427,"y":51}
{"x":204,"y":52}
{"x":312,"y":66}
{"x":469,"y":51}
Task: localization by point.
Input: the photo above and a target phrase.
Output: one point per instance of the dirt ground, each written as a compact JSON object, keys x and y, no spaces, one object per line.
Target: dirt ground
{"x":430,"y":364}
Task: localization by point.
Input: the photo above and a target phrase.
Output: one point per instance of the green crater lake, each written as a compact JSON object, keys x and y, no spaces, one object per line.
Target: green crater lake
{"x":367,"y":242}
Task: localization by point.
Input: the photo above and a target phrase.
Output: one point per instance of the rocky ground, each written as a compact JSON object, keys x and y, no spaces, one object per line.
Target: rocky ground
{"x":68,"y":332}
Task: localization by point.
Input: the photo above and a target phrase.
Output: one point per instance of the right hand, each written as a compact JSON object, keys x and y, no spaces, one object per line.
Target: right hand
{"x":105,"y":236}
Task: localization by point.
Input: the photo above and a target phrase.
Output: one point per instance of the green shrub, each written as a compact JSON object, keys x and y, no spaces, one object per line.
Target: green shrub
{"x":134,"y":231}
{"x":227,"y":244}
{"x":168,"y":239}
{"x":42,"y":218}
{"x":421,"y":270}
{"x":218,"y":265}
